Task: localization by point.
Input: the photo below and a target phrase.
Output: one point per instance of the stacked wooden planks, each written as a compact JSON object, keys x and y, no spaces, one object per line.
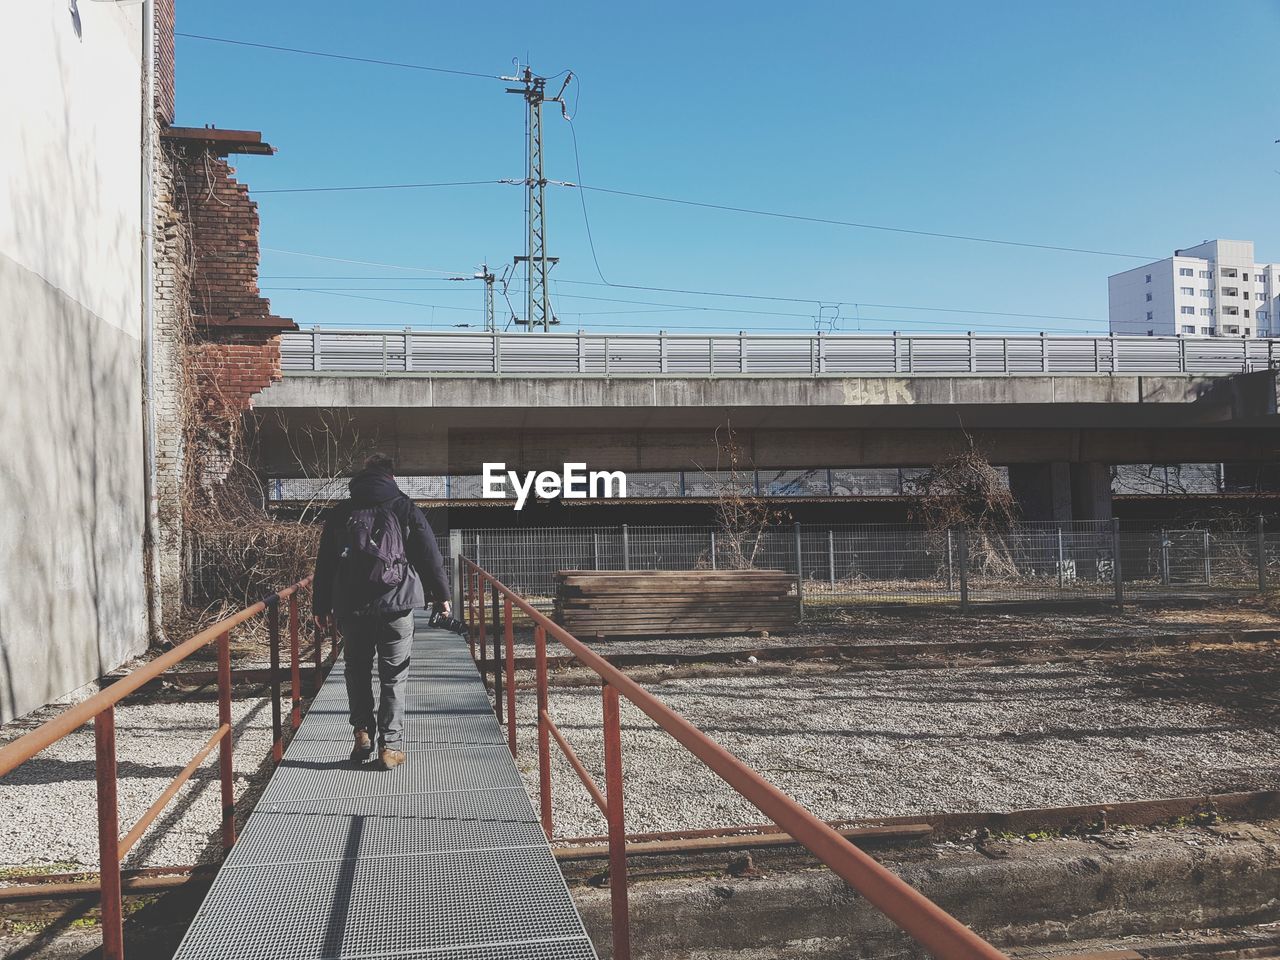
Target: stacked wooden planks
{"x":611,"y":603}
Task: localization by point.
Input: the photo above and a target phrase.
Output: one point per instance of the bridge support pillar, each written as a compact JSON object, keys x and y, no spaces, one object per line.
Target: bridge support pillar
{"x":1091,"y":491}
{"x":1060,"y":491}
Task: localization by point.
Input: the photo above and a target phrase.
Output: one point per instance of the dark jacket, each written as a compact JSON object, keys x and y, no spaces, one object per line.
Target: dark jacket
{"x":427,"y":579}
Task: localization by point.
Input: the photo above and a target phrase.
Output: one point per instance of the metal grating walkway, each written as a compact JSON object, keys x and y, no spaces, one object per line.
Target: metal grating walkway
{"x":442,"y":858}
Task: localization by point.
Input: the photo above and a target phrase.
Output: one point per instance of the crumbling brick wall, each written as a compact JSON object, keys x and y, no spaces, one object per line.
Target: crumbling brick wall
{"x":235,"y":347}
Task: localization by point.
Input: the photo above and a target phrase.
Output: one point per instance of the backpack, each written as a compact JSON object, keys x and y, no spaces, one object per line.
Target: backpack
{"x":373,"y":560}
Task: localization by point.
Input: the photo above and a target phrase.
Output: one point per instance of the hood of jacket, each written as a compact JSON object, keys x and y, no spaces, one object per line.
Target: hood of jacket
{"x":371,"y":487}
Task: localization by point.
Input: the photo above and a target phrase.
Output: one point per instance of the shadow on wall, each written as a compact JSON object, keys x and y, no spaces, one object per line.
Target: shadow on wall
{"x":72,"y":590}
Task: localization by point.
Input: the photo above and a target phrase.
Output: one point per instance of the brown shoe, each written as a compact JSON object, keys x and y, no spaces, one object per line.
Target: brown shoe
{"x":363,"y":749}
{"x":391,"y":757}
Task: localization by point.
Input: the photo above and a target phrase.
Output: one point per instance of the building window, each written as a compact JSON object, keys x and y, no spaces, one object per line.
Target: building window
{"x":1192,"y":310}
{"x":1206,"y":274}
{"x":1246,"y":331}
{"x":1206,"y":330}
{"x":1186,"y":272}
{"x":1231,"y":291}
{"x":1264,"y":315}
{"x":1246,"y":314}
{"x":1231,"y":272}
{"x":1150,"y":315}
{"x":1148,"y":298}
{"x":1148,"y":278}
{"x":1244,"y":276}
{"x":1206,"y":293}
{"x":1231,"y":311}
{"x":1188,"y":329}
{"x":1206,"y":311}
{"x":1187,"y":291}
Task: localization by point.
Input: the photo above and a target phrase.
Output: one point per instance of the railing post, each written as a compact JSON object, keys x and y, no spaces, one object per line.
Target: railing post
{"x":620,"y":919}
{"x":799,"y":574}
{"x":544,"y":732}
{"x":295,"y":669}
{"x":497,"y":655}
{"x":626,"y":548}
{"x":582,"y":353}
{"x":713,"y":549}
{"x":469,"y":610}
{"x":964,"y":569}
{"x":662,"y":351}
{"x":315,"y":350}
{"x":104,"y":741}
{"x":408,"y":349}
{"x":226,"y":748}
{"x":318,"y":658}
{"x":1116,"y":573}
{"x":1262,"y":555}
{"x":1208,"y":569}
{"x":1165,"y":579}
{"x":455,"y":557}
{"x":277,"y":724}
{"x":481,"y":636}
{"x":508,"y":639}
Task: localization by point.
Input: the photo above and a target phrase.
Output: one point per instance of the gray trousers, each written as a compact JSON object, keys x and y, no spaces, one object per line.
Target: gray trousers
{"x":390,"y":640}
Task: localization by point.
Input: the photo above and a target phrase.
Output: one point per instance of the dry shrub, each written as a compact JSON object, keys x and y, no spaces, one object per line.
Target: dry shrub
{"x":744,"y":519}
{"x":965,"y":490}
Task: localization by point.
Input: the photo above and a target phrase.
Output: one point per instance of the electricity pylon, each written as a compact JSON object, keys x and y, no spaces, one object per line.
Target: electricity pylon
{"x":537,"y":264}
{"x":487,"y":276}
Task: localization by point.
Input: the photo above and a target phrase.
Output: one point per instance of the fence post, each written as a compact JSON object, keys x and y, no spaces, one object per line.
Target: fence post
{"x":713,"y":549}
{"x":1116,"y":573}
{"x":1061,"y":558}
{"x":104,"y":739}
{"x":1262,"y":555}
{"x":964,"y":569}
{"x":1208,"y":569}
{"x":544,"y":732}
{"x":799,"y":574}
{"x":626,"y":548}
{"x":595,"y":549}
{"x":620,"y":920}
{"x":951,"y":580}
{"x":1164,"y":559}
{"x":831,"y":558}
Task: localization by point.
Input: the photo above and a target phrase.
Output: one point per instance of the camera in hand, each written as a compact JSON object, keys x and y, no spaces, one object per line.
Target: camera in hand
{"x":441,"y":621}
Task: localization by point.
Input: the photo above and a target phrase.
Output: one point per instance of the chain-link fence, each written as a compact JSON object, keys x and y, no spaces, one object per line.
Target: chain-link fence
{"x":849,"y":565}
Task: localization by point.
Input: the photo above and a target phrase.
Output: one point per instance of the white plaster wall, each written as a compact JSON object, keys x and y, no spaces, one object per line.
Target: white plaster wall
{"x":72,"y":592}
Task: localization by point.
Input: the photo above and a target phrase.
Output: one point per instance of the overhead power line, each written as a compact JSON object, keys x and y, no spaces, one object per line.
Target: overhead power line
{"x":849,"y":223}
{"x":366,"y":263}
{"x":815,"y":301}
{"x":339,"y":56}
{"x":384,"y":186}
{"x":679,"y":307}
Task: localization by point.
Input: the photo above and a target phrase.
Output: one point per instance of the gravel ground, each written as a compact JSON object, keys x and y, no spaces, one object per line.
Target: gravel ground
{"x":903,"y":742}
{"x":890,"y":627}
{"x":49,"y":803}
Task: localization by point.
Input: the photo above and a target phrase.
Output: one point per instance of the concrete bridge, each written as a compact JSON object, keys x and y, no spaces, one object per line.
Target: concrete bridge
{"x":1058,"y":411}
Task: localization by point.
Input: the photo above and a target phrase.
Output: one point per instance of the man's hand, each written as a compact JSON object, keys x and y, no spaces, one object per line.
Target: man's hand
{"x":444,"y":608}
{"x":324,"y":620}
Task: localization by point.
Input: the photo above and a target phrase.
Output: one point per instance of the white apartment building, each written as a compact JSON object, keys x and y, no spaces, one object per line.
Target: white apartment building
{"x":1215,"y":289}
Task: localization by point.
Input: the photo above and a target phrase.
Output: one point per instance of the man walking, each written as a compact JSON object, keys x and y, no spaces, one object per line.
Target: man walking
{"x":378,"y":561}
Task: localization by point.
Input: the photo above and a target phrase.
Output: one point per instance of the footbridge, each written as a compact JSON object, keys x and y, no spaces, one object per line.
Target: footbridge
{"x":443,"y":857}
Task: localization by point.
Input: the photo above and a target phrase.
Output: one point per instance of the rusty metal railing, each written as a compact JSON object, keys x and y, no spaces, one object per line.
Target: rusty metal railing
{"x":100,"y":710}
{"x":932,"y":927}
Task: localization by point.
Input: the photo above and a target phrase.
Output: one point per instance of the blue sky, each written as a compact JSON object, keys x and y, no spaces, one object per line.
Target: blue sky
{"x":1132,"y":127}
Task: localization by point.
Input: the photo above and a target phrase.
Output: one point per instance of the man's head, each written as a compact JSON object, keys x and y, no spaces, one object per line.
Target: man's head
{"x":381,"y":463}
